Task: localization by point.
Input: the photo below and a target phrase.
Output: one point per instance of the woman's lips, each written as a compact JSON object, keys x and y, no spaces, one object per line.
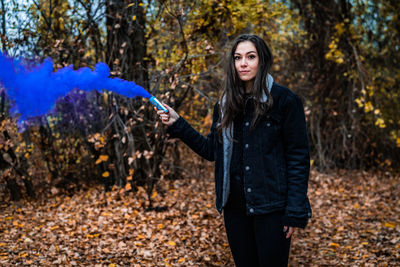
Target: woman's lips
{"x":244,"y":71}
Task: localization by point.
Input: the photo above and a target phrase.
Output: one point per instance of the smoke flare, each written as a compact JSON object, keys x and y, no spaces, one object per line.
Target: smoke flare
{"x":35,"y":90}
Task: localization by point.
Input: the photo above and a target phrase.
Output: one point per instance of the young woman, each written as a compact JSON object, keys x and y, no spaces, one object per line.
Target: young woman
{"x":259,"y":143}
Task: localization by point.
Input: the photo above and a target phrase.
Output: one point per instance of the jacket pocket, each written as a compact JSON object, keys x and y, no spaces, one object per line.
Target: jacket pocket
{"x":269,"y":133}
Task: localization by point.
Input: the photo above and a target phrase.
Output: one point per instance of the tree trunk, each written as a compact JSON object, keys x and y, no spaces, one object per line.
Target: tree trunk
{"x":3,"y":26}
{"x":126,"y":46}
{"x":126,"y":49}
{"x":14,"y":188}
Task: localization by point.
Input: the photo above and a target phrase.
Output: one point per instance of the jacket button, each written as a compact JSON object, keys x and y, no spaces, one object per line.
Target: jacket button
{"x":268,"y":124}
{"x":247,"y":123}
{"x":247,"y":168}
{"x":249,"y":189}
{"x":246,"y":146}
{"x":251,"y":210}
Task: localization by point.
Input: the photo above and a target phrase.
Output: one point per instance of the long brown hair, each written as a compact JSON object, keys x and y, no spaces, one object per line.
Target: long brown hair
{"x":233,"y":93}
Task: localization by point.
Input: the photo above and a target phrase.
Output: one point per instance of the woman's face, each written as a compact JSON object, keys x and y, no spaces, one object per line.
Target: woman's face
{"x":246,"y":61}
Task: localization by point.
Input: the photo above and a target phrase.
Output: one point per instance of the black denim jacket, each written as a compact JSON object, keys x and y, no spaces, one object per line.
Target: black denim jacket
{"x":276,"y":158}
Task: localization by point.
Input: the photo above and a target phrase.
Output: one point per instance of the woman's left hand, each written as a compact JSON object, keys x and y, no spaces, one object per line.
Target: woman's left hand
{"x":289,"y":231}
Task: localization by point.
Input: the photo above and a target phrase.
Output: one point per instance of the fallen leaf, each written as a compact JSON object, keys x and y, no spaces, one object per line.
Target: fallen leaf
{"x":334,"y":245}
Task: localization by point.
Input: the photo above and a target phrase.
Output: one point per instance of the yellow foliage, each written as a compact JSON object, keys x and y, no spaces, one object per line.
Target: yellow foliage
{"x":334,"y":53}
{"x":370,"y":90}
{"x":368,"y":107}
{"x":101,"y":158}
{"x":339,"y":60}
{"x":359,"y":102}
{"x":363,"y":92}
{"x":332,"y":45}
{"x":380,"y":123}
{"x":340,"y":28}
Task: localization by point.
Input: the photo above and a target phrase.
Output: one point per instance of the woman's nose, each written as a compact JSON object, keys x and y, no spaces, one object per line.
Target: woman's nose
{"x":243,"y":62}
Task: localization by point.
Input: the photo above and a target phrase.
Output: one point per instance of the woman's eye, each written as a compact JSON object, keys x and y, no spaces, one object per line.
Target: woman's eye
{"x":236,"y":58}
{"x":252,"y":56}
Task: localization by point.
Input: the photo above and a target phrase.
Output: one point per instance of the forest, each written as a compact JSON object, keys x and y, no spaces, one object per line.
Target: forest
{"x":97,"y":181}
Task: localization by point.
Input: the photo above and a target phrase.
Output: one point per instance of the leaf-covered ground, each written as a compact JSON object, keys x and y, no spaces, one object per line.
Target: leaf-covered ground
{"x":356,"y":222}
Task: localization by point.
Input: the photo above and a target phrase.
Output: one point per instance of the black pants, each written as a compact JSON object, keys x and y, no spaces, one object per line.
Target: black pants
{"x":257,"y":240}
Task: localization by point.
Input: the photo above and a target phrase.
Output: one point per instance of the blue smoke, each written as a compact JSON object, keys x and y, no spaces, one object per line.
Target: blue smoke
{"x":35,"y":90}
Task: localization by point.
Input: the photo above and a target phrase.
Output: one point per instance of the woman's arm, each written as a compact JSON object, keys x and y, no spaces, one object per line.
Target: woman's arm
{"x":297,"y":155}
{"x":180,"y":128}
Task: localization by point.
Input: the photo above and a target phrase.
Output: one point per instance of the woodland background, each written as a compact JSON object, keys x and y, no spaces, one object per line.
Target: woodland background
{"x":97,"y":181}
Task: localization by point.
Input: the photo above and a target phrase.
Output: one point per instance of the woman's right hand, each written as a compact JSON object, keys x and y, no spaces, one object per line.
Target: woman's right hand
{"x":167,"y":118}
